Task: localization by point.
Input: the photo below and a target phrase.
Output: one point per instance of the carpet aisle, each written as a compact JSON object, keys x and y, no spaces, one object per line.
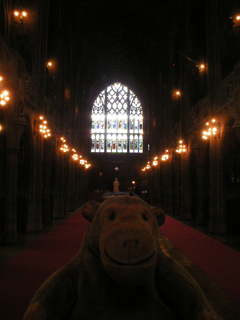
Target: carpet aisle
{"x":217,"y":260}
{"x":22,"y":275}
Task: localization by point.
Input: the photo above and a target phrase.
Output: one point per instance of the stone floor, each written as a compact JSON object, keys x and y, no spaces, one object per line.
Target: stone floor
{"x":224,"y":307}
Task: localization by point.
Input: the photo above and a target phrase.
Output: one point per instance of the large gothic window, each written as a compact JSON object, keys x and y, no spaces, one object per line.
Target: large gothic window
{"x":117,"y":121}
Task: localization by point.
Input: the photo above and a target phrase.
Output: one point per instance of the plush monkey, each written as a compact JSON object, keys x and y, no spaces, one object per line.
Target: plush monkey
{"x":120,"y":273}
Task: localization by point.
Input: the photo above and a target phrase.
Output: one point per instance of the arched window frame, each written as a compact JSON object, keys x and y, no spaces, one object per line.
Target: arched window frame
{"x":117,"y":121}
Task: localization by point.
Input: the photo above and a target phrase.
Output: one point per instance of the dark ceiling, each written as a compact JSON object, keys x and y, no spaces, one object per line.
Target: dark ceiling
{"x":145,"y":44}
{"x":124,"y":40}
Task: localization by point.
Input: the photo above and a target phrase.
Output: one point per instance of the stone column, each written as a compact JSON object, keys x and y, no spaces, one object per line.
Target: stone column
{"x":177,"y":192}
{"x":168,"y":183}
{"x":10,"y":228}
{"x":70,"y":185}
{"x":58,"y":193}
{"x":38,"y":154}
{"x":46,"y":184}
{"x":217,"y":222}
{"x":14,"y":134}
{"x":200,"y":220}
{"x":31,"y":221}
{"x":185,"y":198}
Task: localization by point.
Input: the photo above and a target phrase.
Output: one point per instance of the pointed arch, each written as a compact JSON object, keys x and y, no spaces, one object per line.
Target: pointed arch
{"x":117,"y":121}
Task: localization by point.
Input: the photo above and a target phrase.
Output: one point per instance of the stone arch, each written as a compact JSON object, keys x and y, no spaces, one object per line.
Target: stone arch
{"x":117,"y":121}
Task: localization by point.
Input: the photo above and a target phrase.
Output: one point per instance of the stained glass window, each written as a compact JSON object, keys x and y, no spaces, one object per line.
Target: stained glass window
{"x":117,"y":121}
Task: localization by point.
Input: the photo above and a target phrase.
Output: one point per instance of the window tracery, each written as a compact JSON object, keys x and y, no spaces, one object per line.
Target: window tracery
{"x":117,"y":121}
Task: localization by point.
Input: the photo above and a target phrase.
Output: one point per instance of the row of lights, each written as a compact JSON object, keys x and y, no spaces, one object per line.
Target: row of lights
{"x":76,"y":157}
{"x":210,"y":130}
{"x":44,"y":130}
{"x":155,"y":162}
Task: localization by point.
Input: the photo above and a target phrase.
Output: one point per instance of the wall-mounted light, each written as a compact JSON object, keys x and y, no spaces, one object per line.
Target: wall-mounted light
{"x":1,"y":128}
{"x":155,"y":161}
{"x":20,"y":16}
{"x":210,"y":130}
{"x":201,"y":67}
{"x":165,"y":156}
{"x":64,"y":148}
{"x":181,"y":147}
{"x":236,"y":20}
{"x":43,"y":128}
{"x":176,"y":94}
{"x":4,"y":94}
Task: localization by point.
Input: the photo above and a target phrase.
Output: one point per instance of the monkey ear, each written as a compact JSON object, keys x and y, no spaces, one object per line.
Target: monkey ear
{"x":89,"y":209}
{"x":159,"y":214}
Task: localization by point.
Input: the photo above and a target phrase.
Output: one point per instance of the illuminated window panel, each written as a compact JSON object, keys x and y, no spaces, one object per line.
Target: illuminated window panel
{"x":97,"y":144}
{"x":140,"y":143}
{"x":117,"y":115}
{"x":131,"y":144}
{"x":109,"y":143}
{"x":102,"y":148}
{"x":93,"y":143}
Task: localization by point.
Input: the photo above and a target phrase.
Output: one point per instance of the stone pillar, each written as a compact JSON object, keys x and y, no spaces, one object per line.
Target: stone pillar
{"x":177,"y":192}
{"x":217,"y":222}
{"x":81,"y":185}
{"x":46,"y":202}
{"x":168,"y":183}
{"x":10,"y":228}
{"x":200,"y":195}
{"x":14,"y":134}
{"x":200,"y":220}
{"x":31,"y":221}
{"x":75,"y":190}
{"x":185,"y":198}
{"x":58,"y":193}
{"x":38,"y":154}
{"x":70,"y":186}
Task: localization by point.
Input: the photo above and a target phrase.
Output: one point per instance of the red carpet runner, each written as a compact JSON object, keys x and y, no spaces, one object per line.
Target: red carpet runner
{"x":218,"y":261}
{"x":21,"y":276}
